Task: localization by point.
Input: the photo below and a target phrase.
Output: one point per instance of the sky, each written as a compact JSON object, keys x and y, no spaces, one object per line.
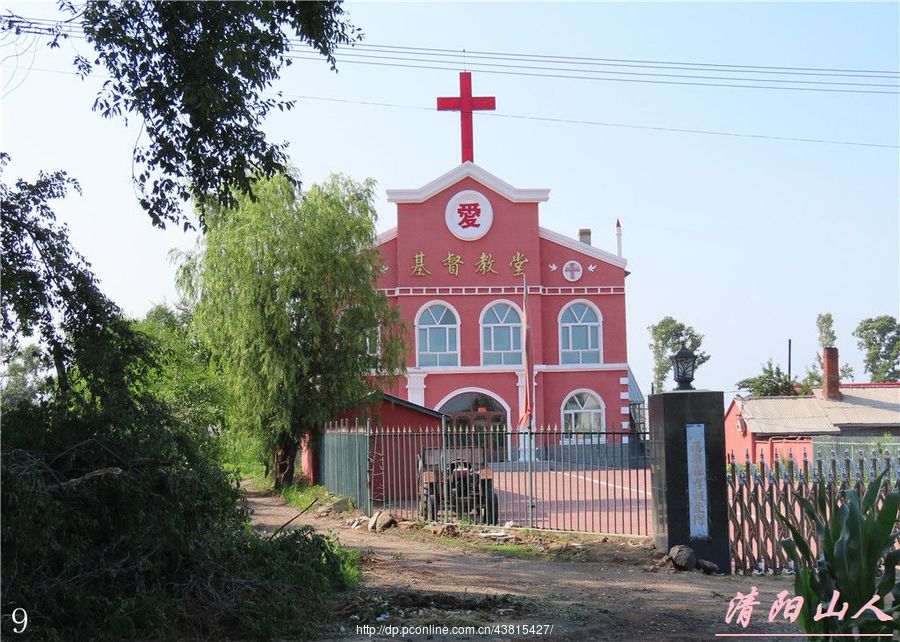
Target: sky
{"x":745,"y":239}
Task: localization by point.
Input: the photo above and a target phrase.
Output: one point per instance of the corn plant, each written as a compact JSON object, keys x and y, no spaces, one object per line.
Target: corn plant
{"x":857,"y":558}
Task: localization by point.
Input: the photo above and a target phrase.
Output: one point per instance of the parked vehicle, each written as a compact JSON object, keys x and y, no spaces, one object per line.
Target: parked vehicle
{"x":452,"y":486}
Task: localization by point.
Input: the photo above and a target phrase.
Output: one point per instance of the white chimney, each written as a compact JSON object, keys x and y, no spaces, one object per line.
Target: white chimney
{"x":618,"y":238}
{"x":584,"y":235}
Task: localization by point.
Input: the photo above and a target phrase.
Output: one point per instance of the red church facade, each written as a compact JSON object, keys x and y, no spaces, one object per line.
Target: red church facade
{"x":457,"y":265}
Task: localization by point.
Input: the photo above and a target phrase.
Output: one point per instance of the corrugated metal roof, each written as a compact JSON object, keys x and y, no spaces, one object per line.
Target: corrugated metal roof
{"x":863,"y":407}
{"x":785,"y":415}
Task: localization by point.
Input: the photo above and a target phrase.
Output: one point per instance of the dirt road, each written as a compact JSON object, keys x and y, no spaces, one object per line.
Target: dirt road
{"x":607,"y":592}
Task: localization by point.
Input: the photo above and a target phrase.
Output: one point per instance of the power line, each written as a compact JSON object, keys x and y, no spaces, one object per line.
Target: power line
{"x":568,"y":121}
{"x":624,"y":73}
{"x":544,"y":62}
{"x":637,"y":61}
{"x":631,"y":80}
{"x":71,"y":28}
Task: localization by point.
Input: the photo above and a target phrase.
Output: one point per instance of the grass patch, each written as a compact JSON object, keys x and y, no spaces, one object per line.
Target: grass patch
{"x":351,"y":567}
{"x":301,"y":495}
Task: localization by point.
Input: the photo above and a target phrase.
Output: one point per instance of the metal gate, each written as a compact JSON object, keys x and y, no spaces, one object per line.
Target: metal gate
{"x":546,"y":479}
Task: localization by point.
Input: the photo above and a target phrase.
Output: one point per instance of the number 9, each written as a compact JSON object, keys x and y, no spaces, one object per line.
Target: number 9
{"x":20,"y":617}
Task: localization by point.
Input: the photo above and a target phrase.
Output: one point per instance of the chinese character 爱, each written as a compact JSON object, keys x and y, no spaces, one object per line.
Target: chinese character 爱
{"x":468,"y":214}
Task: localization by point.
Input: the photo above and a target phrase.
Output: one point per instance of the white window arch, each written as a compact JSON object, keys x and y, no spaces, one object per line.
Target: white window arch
{"x":437,"y":336}
{"x":580,"y":333}
{"x":501,"y":335}
{"x":583,"y":416}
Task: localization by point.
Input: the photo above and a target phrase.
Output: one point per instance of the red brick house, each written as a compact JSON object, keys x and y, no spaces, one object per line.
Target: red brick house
{"x":849,"y":413}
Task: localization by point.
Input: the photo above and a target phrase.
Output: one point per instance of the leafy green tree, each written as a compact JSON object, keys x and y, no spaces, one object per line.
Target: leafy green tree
{"x":288,"y":306}
{"x":879,"y":339}
{"x":118,"y":520}
{"x":182,"y":375}
{"x":666,"y":338}
{"x":23,"y":380}
{"x":197,"y":74}
{"x":827,"y":338}
{"x":771,"y":382}
{"x":50,"y":294}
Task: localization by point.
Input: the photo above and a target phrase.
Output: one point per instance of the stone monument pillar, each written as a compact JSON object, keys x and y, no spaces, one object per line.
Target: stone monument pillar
{"x":690,"y":492}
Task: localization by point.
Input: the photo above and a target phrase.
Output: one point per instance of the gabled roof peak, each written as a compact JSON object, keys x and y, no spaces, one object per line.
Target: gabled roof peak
{"x":468,"y":170}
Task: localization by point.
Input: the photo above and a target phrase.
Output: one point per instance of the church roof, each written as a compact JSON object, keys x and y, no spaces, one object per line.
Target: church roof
{"x":584,"y":248}
{"x":470,"y":170}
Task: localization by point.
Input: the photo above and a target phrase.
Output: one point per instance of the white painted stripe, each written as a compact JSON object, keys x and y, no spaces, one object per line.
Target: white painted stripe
{"x":480,"y":290}
{"x":597,"y":481}
{"x":623,"y":381}
{"x":626,"y":425}
{"x":625,"y":410}
{"x":624,"y":395}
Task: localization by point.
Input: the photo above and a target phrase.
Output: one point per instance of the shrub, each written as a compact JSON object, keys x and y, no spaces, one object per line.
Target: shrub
{"x":124,"y":531}
{"x":856,"y":557}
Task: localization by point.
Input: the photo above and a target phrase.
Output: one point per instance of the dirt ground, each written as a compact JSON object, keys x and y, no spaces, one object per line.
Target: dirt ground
{"x":583,"y":587}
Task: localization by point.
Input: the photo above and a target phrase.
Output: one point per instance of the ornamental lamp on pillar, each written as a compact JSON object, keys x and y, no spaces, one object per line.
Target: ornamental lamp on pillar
{"x":683,"y":364}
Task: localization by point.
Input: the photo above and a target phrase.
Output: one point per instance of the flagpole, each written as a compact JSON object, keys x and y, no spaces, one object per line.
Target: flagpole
{"x":527,"y":418}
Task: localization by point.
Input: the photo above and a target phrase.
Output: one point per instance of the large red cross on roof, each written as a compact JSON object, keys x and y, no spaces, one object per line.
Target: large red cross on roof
{"x":465,"y":104}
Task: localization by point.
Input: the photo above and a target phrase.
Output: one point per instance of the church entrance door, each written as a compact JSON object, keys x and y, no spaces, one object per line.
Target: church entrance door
{"x":477,"y":421}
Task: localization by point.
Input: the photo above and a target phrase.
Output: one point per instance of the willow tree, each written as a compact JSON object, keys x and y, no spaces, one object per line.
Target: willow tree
{"x":288,"y":304}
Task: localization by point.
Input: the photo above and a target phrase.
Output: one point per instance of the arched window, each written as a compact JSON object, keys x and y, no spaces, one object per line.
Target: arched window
{"x":501,"y":335}
{"x":436,"y":337}
{"x":580,"y":334}
{"x":583,"y":418}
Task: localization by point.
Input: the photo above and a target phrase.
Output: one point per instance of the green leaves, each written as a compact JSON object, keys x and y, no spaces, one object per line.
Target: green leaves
{"x":879,"y":339}
{"x":196,"y":75}
{"x":771,"y":382}
{"x":287,"y":285}
{"x":666,"y":338}
{"x":856,"y":544}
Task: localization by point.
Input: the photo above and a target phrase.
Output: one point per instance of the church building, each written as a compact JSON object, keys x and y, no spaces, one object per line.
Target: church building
{"x":482,"y":350}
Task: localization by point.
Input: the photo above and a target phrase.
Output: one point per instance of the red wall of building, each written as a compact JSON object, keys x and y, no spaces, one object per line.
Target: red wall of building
{"x":422,"y":228}
{"x":769,"y":447}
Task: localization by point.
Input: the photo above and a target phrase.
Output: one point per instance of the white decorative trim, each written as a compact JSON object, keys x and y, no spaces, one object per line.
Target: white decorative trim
{"x":483,"y":391}
{"x":626,"y":425}
{"x":504,"y":290}
{"x":467,"y":369}
{"x":583,"y":248}
{"x":468,"y":170}
{"x":516,"y":368}
{"x":624,"y":381}
{"x":565,"y":272}
{"x":415,"y":387}
{"x":387,"y":235}
{"x":579,"y":367}
{"x":625,"y":410}
{"x":624,"y":395}
{"x":478,"y":228}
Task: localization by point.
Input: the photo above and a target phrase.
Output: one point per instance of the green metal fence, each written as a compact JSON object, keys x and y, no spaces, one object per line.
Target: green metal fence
{"x":344,"y":462}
